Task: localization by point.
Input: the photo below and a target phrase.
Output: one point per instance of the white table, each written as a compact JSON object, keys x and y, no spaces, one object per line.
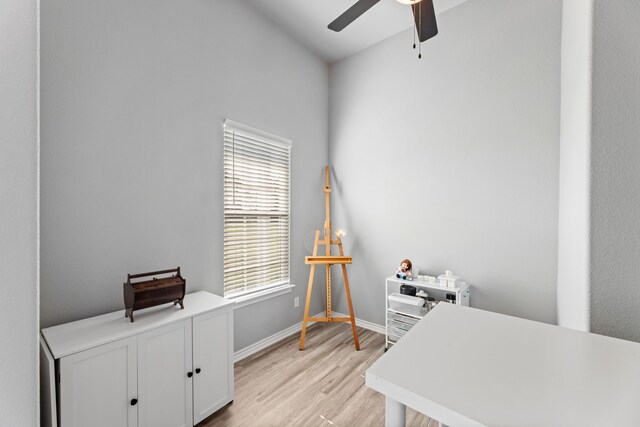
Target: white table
{"x":468,"y":367}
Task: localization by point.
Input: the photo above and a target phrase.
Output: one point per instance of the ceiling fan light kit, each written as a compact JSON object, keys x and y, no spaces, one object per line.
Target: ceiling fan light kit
{"x":423,"y":14}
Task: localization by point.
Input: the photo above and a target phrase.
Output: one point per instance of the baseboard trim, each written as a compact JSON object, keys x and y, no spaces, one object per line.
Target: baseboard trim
{"x":364,"y":324}
{"x":266,"y":342}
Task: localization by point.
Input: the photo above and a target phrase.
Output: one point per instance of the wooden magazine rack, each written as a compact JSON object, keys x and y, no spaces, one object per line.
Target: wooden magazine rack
{"x":328,"y":260}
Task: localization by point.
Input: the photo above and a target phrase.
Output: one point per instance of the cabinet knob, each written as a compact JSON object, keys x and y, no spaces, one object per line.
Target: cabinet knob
{"x":134,"y":401}
{"x":189,"y":374}
{"x":198,"y":370}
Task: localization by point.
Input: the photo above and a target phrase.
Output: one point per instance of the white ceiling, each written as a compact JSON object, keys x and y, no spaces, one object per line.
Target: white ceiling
{"x":307,"y":21}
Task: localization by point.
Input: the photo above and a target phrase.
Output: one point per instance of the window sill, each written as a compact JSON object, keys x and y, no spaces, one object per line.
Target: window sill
{"x":255,"y":297}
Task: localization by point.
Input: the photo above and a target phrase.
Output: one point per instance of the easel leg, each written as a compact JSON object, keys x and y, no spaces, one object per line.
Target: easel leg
{"x":328,"y":286}
{"x":353,"y":318}
{"x":306,"y":307}
{"x":309,"y":290}
{"x":348,"y":292}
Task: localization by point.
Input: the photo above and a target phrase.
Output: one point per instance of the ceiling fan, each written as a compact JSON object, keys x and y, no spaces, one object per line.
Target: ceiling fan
{"x":423,"y":13}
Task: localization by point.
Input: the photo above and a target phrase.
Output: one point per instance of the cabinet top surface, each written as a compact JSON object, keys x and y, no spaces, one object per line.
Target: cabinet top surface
{"x":80,"y":335}
{"x":427,"y":285}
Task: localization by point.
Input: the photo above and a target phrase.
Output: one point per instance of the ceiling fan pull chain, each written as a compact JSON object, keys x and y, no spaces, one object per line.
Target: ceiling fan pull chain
{"x":414,"y":35}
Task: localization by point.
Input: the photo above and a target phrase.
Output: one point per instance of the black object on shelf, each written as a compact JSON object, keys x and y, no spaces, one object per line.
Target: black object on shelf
{"x":408,"y":290}
{"x":451,"y":298}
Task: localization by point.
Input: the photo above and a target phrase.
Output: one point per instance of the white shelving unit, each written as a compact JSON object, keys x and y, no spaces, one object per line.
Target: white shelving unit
{"x":400,"y":318}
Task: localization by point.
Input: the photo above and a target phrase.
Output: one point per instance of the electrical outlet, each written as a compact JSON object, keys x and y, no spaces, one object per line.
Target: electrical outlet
{"x":296,"y":302}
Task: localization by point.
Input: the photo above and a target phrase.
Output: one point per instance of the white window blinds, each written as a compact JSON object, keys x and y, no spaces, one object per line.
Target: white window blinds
{"x":256,"y":209}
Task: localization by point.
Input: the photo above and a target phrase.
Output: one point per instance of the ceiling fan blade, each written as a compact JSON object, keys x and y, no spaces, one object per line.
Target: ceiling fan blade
{"x":351,"y":14}
{"x":425,"y":17}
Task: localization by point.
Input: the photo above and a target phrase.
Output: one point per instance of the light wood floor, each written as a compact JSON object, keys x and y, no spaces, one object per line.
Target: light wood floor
{"x":321,"y":386}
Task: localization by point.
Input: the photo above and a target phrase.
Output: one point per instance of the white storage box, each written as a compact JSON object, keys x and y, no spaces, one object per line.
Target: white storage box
{"x":401,"y":318}
{"x":406,"y":299}
{"x":448,"y":279}
{"x":407,"y":304}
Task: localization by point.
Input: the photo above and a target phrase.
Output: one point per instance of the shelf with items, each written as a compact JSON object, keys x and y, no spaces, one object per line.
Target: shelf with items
{"x":423,"y":284}
{"x":402,"y":311}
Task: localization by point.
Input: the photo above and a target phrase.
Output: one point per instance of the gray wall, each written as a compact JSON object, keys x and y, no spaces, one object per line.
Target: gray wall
{"x":19,"y":212}
{"x":574,"y":227}
{"x":452,"y":160}
{"x":615,"y":204}
{"x":133,"y":98}
{"x":598,"y":268}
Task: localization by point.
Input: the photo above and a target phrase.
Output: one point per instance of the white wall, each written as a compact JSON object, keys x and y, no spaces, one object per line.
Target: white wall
{"x":133,"y":98}
{"x":452,"y":160}
{"x":19,"y":212}
{"x":599,"y":239}
{"x":575,"y":166}
{"x":615,"y":206}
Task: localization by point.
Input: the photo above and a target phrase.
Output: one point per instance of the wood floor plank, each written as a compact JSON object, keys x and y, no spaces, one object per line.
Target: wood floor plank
{"x":322,"y":386}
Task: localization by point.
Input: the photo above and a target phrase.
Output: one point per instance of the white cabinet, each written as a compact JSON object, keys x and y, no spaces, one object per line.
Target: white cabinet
{"x":98,"y":386}
{"x":170,"y":367}
{"x":165,"y":376}
{"x":212,"y":356}
{"x":400,"y":318}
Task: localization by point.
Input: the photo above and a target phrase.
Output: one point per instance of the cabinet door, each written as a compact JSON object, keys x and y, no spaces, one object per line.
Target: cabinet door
{"x":97,"y":386}
{"x":164,"y":387}
{"x":213,"y":362}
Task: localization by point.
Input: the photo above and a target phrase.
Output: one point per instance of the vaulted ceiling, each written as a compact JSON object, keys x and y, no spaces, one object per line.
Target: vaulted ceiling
{"x":307,"y":21}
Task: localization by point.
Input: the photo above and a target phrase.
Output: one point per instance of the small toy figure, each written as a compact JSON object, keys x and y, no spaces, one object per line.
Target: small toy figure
{"x":405,"y":271}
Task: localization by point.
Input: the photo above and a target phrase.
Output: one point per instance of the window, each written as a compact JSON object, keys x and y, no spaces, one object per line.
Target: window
{"x":256,"y":210}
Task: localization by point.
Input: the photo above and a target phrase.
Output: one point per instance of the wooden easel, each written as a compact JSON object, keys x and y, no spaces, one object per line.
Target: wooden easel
{"x":328,"y":260}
